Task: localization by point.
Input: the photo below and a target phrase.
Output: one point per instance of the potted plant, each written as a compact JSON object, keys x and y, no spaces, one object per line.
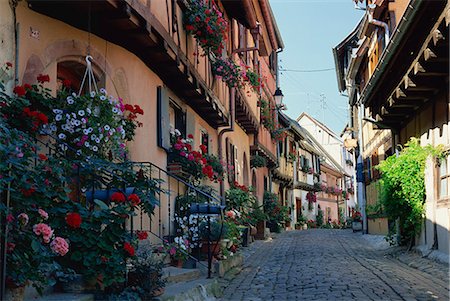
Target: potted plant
{"x":227,"y":70}
{"x":301,"y":221}
{"x":179,"y":251}
{"x":213,"y":235}
{"x":258,"y":161}
{"x":356,"y":221}
{"x":146,"y":273}
{"x":207,"y":24}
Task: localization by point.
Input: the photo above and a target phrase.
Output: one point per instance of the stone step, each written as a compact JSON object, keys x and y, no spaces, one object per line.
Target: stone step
{"x":65,"y":297}
{"x":176,"y":275}
{"x":195,"y":290}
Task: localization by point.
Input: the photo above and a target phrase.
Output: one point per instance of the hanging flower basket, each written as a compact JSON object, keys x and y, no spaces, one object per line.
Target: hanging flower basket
{"x":227,"y":70}
{"x":207,"y":25}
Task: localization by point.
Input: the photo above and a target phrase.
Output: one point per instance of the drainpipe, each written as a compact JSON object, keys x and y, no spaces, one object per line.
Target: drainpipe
{"x":226,"y":130}
{"x":360,"y":169}
{"x":378,"y":23}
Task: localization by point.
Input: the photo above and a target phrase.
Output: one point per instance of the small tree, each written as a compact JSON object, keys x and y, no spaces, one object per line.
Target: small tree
{"x":403,"y":187}
{"x":319,"y":218}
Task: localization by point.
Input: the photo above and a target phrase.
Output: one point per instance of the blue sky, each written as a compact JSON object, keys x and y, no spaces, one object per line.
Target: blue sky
{"x":310,"y":29}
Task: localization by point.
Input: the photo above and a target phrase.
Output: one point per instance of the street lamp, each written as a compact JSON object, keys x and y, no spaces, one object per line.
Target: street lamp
{"x":278,"y":96}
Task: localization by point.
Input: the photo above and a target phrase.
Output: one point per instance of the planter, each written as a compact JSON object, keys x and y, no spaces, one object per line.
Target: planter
{"x":16,"y":293}
{"x":105,"y":195}
{"x":305,"y":226}
{"x":298,"y":227}
{"x":356,"y":226}
{"x":287,"y":225}
{"x":260,"y":229}
{"x":215,"y":248}
{"x":190,"y":263}
{"x":177,"y":263}
{"x":253,"y":230}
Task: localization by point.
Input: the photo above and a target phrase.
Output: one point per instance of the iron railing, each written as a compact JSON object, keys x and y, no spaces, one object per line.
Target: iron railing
{"x":98,"y":177}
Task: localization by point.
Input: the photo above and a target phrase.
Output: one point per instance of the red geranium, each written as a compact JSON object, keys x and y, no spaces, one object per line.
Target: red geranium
{"x":134,"y":199}
{"x":43,"y":78}
{"x":19,"y":91}
{"x":118,"y":197}
{"x":142,"y":235}
{"x":73,"y":220}
{"x":29,"y":191}
{"x":128,"y":248}
{"x":43,"y":157}
{"x":67,"y":83}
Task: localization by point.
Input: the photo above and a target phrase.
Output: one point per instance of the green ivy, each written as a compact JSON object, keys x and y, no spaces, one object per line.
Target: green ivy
{"x":403,"y":187}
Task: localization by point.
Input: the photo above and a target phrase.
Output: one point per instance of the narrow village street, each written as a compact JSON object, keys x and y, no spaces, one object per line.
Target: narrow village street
{"x":332,"y":265}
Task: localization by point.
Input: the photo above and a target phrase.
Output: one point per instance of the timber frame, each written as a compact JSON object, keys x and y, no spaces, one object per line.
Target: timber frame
{"x":131,"y":24}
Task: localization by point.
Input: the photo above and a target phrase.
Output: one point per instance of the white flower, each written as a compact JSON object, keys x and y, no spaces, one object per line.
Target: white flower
{"x":103,"y":91}
{"x":107,"y":127}
{"x":115,"y":110}
{"x":113,"y":131}
{"x":77,"y":123}
{"x":97,"y":140}
{"x":81,"y":112}
{"x":86,"y":144}
{"x":100,"y":136}
{"x":183,"y":141}
{"x":74,"y":94}
{"x":85,"y":131}
{"x":102,"y":97}
{"x":106,"y":139}
{"x":62,"y":136}
{"x":58,"y":117}
{"x":83,"y":120}
{"x":68,"y":116}
{"x":53,"y":127}
{"x":57,"y":111}
{"x":177,"y":132}
{"x":63,"y":147}
{"x":88,"y":110}
{"x":70,"y":100}
{"x":93,"y":137}
{"x":92,"y":93}
{"x":90,"y":130}
{"x":79,"y":152}
{"x":64,"y":127}
{"x":95,"y":148}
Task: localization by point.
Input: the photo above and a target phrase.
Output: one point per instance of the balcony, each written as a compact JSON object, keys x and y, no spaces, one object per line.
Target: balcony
{"x":285,"y":171}
{"x":264,"y":146}
{"x":164,"y":47}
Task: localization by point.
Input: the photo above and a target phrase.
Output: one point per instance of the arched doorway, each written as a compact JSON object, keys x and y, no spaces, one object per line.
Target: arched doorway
{"x":72,"y":70}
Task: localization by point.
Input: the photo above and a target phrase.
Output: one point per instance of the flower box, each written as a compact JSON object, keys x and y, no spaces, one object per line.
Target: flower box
{"x":357,"y":226}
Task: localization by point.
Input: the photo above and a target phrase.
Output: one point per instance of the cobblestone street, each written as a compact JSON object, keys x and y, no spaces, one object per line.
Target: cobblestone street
{"x":331,"y":265}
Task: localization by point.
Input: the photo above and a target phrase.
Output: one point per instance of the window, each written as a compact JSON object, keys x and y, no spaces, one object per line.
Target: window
{"x":265,"y":184}
{"x":443,"y":179}
{"x":177,"y":118}
{"x":231,"y":160}
{"x":205,"y":139}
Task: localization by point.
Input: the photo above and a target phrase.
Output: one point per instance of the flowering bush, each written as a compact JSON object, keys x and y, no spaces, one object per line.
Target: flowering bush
{"x":252,"y":78}
{"x":356,"y":216}
{"x":94,"y":124}
{"x":31,"y":247}
{"x":207,"y":25}
{"x":227,"y":70}
{"x":266,"y":114}
{"x":179,"y":249}
{"x":199,"y":164}
{"x":277,"y":213}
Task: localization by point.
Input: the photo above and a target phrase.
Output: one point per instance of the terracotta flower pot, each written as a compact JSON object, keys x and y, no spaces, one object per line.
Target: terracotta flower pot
{"x":16,"y":293}
{"x":215,"y":248}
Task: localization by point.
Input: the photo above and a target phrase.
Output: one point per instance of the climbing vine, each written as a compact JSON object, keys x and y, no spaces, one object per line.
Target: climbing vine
{"x":403,"y":187}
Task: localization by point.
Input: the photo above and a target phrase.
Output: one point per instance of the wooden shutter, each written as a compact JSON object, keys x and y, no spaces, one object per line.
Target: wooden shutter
{"x":163,"y":124}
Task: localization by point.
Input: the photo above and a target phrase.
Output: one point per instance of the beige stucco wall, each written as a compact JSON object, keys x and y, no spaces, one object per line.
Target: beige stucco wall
{"x":7,"y":53}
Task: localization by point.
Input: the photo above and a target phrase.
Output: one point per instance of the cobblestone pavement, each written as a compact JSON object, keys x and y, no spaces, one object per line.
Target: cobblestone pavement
{"x":324,"y":264}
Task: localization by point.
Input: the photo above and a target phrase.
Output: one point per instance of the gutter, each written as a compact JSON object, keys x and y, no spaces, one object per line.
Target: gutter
{"x":392,"y":48}
{"x":227,"y":130}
